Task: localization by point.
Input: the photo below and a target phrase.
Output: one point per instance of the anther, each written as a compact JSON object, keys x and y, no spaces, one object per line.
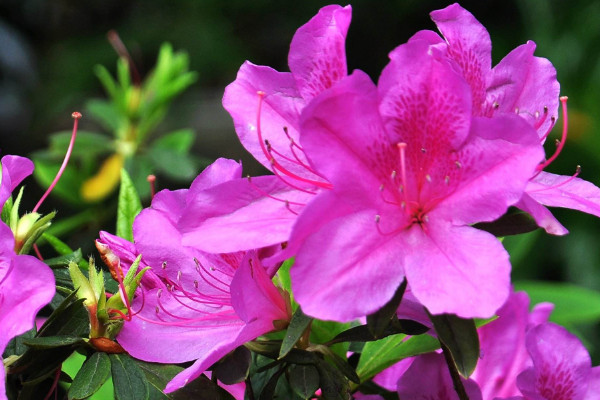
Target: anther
{"x":496,"y":105}
{"x":423,"y":150}
{"x":164,"y":265}
{"x":458,"y":164}
{"x":536,"y":114}
{"x":559,"y":143}
{"x":545,"y":109}
{"x":381,"y":187}
{"x":446,"y":179}
{"x":152,"y":181}
{"x":517,"y":110}
{"x":428,"y":178}
{"x":157,"y":309}
{"x":196,"y":284}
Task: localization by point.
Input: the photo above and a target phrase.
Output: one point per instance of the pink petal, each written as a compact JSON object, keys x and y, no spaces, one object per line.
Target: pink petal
{"x":14,"y":170}
{"x":281,"y":108}
{"x":561,"y":365}
{"x":542,"y":216}
{"x":347,"y":269}
{"x":220,"y":171}
{"x":317,"y":56}
{"x":242,"y":215}
{"x":495,"y":166}
{"x":456,"y":269}
{"x":565,"y":191}
{"x":526,"y":84}
{"x":469,"y":45}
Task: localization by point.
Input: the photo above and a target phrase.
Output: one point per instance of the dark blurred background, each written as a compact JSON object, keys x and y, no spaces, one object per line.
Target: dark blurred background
{"x":48,"y":49}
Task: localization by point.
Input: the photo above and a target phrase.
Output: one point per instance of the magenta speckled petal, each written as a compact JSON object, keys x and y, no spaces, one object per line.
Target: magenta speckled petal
{"x":317,"y":55}
{"x":561,"y":365}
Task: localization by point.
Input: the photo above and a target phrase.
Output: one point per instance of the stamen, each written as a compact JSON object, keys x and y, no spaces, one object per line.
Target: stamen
{"x":76,"y":116}
{"x":200,"y":267}
{"x":402,"y":149}
{"x":275,"y":164}
{"x":273,"y":197}
{"x":577,"y":172}
{"x":563,"y":139}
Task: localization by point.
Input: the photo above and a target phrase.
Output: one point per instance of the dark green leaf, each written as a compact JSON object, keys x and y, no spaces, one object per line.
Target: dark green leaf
{"x":371,"y":387}
{"x":129,"y":206}
{"x":362,"y":333}
{"x":75,"y":257}
{"x":234,"y":367}
{"x":572,"y":303}
{"x":128,"y":379}
{"x":341,"y":364}
{"x":158,"y":375}
{"x":105,"y":113}
{"x":268,"y":390}
{"x":303,"y":379}
{"x":377,"y":356}
{"x":380,"y":320}
{"x":49,"y":342}
{"x":513,"y":223}
{"x":298,"y":325}
{"x":173,"y":164}
{"x":460,"y":336}
{"x":16,"y":346}
{"x":69,"y":318}
{"x":92,"y":375}
{"x":334,"y":385}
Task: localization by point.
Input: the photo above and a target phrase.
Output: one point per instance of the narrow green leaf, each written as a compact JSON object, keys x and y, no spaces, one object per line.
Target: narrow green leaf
{"x":268,"y":390}
{"x":128,"y":379}
{"x":303,"y":379}
{"x":298,"y":325}
{"x":377,"y":356}
{"x":572,"y":304}
{"x":49,"y":342}
{"x":379,"y":321}
{"x":129,"y":206}
{"x":58,"y":245}
{"x":178,"y":141}
{"x":90,"y":378}
{"x":341,"y":364}
{"x":362,"y":333}
{"x":460,"y":336}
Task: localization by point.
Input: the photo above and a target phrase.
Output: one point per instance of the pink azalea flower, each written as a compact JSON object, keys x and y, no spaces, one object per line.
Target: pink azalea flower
{"x":562,"y":368}
{"x":413,"y":169}
{"x":502,"y":344}
{"x":521,"y":84}
{"x":268,"y":128}
{"x":199,"y":306}
{"x":26,"y":284}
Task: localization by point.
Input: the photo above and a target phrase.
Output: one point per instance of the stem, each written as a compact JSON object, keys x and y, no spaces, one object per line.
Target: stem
{"x":458,"y":385}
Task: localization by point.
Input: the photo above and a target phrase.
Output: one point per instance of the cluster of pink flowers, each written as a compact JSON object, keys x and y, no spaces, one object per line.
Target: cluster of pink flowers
{"x":373,"y":184}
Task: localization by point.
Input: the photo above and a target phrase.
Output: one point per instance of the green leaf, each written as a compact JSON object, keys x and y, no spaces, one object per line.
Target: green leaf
{"x":74,"y":257}
{"x":69,"y":318}
{"x":234,"y":367}
{"x":49,"y":342}
{"x":379,"y":321}
{"x":58,"y":245}
{"x":104,"y":112}
{"x":362,"y":333}
{"x":303,"y":379}
{"x":87,"y":144}
{"x":512,"y":223}
{"x":179,"y":141}
{"x":90,"y":378}
{"x":379,"y":355}
{"x":158,"y":375}
{"x":173,"y":164}
{"x":460,"y":336}
{"x":572,"y":304}
{"x":268,"y":391}
{"x":334,"y":386}
{"x":298,"y":325}
{"x":16,"y":346}
{"x":322,"y":331}
{"x":129,"y":206}
{"x":128,"y":379}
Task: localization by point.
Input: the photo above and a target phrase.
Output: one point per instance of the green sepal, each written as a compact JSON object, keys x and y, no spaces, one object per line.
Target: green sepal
{"x":82,"y":286}
{"x":14,"y":211}
{"x":97,"y":283}
{"x":35,"y":231}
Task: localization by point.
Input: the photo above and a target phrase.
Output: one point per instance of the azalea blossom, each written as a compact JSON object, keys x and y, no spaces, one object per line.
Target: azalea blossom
{"x":198,"y":306}
{"x":562,"y":368}
{"x":414,"y":169}
{"x":521,"y":84}
{"x":265,"y":106}
{"x":26,"y":284}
